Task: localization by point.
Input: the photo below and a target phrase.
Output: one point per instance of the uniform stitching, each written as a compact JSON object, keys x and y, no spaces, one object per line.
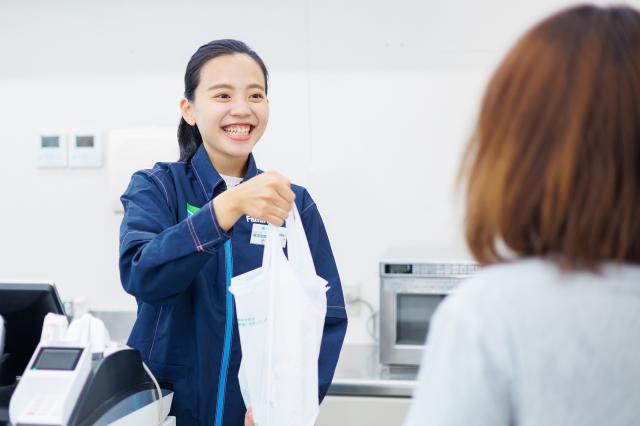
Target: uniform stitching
{"x":200,"y":181}
{"x":213,"y":218}
{"x":164,"y":188}
{"x":194,"y":237}
{"x":155,"y":172}
{"x":155,"y":332}
{"x":201,"y":245}
{"x":307,"y":208}
{"x":153,"y":175}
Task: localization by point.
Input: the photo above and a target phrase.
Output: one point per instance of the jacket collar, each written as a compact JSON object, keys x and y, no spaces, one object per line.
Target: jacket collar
{"x":208,"y":177}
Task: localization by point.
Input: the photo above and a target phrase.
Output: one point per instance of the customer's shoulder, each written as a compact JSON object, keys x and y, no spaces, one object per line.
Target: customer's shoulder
{"x":504,"y":284}
{"x":520,"y":271}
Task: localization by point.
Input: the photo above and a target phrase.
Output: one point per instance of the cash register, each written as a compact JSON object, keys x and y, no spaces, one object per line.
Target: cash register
{"x":52,"y":374}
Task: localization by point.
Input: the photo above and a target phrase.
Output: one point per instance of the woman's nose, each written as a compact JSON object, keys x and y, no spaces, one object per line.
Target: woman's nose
{"x":240,"y":108}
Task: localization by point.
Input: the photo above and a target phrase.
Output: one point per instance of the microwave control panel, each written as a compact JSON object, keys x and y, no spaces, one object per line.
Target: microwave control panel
{"x":424,"y":277}
{"x":435,"y":269}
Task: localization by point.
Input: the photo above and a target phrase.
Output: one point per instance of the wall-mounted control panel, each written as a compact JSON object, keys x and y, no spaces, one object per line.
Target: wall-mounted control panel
{"x":63,"y":149}
{"x":85,"y":150}
{"x":51,"y":150}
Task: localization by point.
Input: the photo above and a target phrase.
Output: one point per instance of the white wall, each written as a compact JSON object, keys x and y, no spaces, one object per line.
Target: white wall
{"x":372,"y":103}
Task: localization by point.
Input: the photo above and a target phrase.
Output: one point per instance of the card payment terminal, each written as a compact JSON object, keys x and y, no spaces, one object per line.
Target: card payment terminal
{"x":50,"y":385}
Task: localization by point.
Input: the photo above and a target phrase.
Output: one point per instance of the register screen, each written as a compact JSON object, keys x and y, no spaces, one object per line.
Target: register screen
{"x":57,"y":359}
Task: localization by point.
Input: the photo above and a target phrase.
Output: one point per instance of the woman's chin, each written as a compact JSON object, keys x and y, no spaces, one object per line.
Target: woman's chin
{"x":240,"y":152}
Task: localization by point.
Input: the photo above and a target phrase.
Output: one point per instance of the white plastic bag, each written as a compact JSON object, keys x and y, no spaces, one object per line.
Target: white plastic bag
{"x":281,"y":309}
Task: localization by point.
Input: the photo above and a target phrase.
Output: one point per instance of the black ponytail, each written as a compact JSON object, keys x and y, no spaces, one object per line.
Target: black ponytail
{"x":189,"y":137}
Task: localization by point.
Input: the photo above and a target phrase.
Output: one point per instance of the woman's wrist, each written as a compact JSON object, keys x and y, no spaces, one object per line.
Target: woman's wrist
{"x":227,"y":208}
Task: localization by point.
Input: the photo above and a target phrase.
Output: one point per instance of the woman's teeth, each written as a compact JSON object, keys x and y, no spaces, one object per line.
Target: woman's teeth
{"x":238,"y":130}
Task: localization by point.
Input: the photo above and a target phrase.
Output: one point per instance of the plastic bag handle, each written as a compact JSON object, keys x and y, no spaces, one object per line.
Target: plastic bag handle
{"x":298,"y":246}
{"x":272,"y":246}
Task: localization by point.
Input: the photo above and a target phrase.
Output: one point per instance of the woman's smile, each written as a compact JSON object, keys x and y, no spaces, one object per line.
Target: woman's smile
{"x":238,"y":132}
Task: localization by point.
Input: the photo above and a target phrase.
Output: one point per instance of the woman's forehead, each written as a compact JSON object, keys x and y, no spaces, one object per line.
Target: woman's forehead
{"x":238,"y":70}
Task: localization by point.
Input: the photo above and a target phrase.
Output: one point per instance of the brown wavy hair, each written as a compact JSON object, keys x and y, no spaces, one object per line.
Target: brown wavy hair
{"x":553,"y":166}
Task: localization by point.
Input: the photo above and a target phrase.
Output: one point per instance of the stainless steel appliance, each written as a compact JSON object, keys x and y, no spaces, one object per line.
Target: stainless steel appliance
{"x":410,"y":292}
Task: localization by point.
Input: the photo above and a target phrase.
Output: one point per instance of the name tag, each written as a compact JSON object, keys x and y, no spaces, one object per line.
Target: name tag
{"x":259,"y":234}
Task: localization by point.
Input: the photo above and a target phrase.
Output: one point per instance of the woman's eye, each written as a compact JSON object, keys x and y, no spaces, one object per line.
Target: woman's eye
{"x":257,"y":96}
{"x":223,"y":96}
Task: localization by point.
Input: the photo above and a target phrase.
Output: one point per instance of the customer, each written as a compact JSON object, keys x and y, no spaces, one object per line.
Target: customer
{"x":549,"y":334}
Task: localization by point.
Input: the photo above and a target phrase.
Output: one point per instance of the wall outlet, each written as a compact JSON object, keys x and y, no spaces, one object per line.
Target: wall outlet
{"x":351,"y":292}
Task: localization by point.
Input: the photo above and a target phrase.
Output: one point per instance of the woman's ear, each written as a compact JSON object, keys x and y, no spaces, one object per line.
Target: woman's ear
{"x":187,"y":111}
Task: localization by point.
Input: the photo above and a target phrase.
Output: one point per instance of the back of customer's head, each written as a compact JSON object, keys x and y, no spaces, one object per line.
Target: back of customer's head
{"x":553,"y":168}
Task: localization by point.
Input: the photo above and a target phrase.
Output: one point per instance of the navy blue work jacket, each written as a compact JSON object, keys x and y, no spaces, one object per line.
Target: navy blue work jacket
{"x":173,"y":261}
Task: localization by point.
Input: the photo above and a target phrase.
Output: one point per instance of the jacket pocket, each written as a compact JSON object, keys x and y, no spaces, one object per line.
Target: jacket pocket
{"x":180,"y":378}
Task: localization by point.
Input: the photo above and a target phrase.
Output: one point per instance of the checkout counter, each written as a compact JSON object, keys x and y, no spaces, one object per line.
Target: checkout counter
{"x":366,"y":392}
{"x":66,"y":382}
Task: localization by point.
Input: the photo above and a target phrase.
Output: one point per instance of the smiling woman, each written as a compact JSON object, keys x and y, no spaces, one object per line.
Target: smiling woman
{"x":228,"y":110}
{"x":182,"y":238}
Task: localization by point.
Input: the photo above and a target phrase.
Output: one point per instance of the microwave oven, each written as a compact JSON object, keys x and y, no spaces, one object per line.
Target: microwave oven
{"x":410,"y":292}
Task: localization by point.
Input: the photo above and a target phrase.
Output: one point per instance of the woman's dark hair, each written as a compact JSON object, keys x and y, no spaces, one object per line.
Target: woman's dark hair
{"x":189,"y":137}
{"x":553,"y":168}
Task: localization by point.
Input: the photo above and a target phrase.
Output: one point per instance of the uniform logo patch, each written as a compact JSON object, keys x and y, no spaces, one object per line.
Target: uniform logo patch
{"x":191,"y":210}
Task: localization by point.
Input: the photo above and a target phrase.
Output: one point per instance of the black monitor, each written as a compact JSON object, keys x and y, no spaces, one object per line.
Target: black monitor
{"x":23,"y":307}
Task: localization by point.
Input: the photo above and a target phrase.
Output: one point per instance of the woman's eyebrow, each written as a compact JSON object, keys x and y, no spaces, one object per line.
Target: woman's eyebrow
{"x":220,"y":86}
{"x":228,"y":86}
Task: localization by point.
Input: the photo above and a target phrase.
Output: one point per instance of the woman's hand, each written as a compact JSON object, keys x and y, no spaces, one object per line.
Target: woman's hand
{"x":248,"y":418}
{"x":267,"y":196}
